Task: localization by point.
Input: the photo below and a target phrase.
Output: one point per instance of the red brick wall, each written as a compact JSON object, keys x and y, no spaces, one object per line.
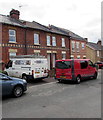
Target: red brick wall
{"x":82,"y":52}
{"x":20,"y":40}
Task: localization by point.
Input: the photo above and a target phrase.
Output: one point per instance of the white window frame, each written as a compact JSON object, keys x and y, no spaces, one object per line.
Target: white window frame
{"x":13,"y":36}
{"x":48,"y":40}
{"x":73,"y":46}
{"x":83,"y":45}
{"x":36,"y":39}
{"x":77,"y":46}
{"x":63,"y":42}
{"x":53,"y":41}
{"x":98,"y":54}
{"x":12,"y":54}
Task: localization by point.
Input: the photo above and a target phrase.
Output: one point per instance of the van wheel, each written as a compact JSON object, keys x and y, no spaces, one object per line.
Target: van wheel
{"x":59,"y":81}
{"x":78,"y":79}
{"x":95,"y":76}
{"x":24,"y":77}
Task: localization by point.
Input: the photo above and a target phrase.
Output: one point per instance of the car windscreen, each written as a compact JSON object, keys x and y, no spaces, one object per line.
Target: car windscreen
{"x":63,"y":64}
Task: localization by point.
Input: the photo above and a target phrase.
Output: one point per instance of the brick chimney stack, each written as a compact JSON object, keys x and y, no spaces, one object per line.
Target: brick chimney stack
{"x":99,"y":42}
{"x":14,"y":14}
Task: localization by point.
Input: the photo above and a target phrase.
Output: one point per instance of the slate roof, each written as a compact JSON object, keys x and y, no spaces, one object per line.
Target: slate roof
{"x":8,"y":20}
{"x":68,"y":32}
{"x":21,"y":23}
{"x":95,"y":46}
{"x":35,"y":25}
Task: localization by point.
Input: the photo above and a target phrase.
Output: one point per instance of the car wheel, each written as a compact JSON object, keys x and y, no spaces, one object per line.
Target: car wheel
{"x":95,"y":76}
{"x":17,"y":91}
{"x":78,"y":79}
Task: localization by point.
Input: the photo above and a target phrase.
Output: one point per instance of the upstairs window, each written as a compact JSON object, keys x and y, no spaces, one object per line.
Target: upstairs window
{"x":63,"y":42}
{"x":54,"y":41}
{"x":36,"y":39}
{"x":77,"y":46}
{"x":83,"y":46}
{"x":12,"y":36}
{"x":48,"y":41}
{"x":73,"y":46}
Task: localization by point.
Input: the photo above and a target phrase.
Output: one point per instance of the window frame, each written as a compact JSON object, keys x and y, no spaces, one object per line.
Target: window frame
{"x":12,"y":35}
{"x":48,"y":40}
{"x":63,"y":42}
{"x":73,"y":46}
{"x":36,"y":39}
{"x":53,"y":41}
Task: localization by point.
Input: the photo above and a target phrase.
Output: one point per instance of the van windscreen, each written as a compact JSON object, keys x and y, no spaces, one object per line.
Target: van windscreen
{"x":63,"y":64}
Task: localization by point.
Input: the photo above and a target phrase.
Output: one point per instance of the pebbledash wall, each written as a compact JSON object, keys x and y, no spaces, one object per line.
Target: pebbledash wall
{"x":25,"y":33}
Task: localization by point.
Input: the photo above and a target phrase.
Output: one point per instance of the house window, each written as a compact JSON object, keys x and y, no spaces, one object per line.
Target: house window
{"x":12,"y":36}
{"x":73,"y":46}
{"x":63,"y":42}
{"x":36,"y":39}
{"x":63,"y":55}
{"x":72,"y":57}
{"x":12,"y":54}
{"x":78,"y":56}
{"x":48,"y":41}
{"x":77,"y":46}
{"x":54,"y":41}
{"x":82,"y":45}
{"x":97,"y":53}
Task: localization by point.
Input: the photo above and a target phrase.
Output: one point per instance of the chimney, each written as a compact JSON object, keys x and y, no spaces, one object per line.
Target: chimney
{"x":99,"y":42}
{"x":14,"y":14}
{"x":86,"y":39}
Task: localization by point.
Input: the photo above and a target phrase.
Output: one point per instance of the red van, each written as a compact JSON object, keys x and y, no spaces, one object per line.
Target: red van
{"x":75,"y":70}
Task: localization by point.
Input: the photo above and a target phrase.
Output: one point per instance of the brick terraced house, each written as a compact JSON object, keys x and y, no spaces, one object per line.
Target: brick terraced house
{"x":20,"y":37}
{"x":95,"y":51}
{"x":77,"y":43}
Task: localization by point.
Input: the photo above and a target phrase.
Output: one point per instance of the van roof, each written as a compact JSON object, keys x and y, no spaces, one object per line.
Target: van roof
{"x":73,"y":59}
{"x":27,"y":56}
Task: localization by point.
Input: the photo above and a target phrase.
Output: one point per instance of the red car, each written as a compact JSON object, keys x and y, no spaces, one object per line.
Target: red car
{"x":100,"y":65}
{"x":75,"y":70}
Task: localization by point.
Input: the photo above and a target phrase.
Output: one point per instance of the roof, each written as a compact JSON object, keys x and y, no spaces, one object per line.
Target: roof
{"x":36,"y":25}
{"x":27,"y":56}
{"x":95,"y":46}
{"x":8,"y":20}
{"x":68,"y":32}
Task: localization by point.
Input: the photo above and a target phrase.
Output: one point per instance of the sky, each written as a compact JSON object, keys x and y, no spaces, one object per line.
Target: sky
{"x":82,"y":17}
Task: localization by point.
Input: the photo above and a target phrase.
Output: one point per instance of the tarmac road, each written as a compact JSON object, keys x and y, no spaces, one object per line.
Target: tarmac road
{"x":57,"y":100}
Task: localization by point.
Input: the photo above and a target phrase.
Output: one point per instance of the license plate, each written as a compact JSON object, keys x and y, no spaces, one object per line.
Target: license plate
{"x":62,"y":77}
{"x":37,"y":72}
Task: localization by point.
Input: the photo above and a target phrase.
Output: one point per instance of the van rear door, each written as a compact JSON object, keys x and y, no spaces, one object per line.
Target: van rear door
{"x":63,"y":69}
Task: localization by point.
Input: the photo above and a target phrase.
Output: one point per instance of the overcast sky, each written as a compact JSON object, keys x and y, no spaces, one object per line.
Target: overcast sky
{"x":82,"y":17}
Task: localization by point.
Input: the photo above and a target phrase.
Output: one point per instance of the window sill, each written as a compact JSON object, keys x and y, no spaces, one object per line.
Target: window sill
{"x":12,"y":42}
{"x":37,"y":44}
{"x":48,"y":45}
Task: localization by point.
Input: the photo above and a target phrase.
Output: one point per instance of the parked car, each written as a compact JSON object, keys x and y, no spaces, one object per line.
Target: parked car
{"x":75,"y":70}
{"x":12,"y":86}
{"x":100,"y":64}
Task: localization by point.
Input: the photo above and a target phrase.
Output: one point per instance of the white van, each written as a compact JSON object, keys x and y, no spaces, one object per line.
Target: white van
{"x":28,"y":67}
